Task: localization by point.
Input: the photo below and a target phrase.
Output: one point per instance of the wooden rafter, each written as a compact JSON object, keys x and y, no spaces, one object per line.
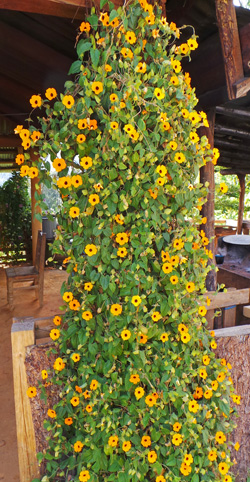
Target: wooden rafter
{"x":230,"y":44}
{"x":230,"y":112}
{"x":68,"y":9}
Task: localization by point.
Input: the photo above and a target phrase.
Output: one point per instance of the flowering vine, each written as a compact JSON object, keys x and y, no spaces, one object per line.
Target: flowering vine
{"x":142,"y":395}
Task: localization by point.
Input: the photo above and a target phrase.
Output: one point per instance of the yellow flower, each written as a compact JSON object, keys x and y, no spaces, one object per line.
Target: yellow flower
{"x":114,"y":125}
{"x":213,"y":344}
{"x":59,"y":364}
{"x":214,"y":385}
{"x":205,"y":360}
{"x":164,"y":337}
{"x":76,"y":181}
{"x":36,"y":101}
{"x":75,"y":401}
{"x":223,"y":187}
{"x":121,"y":238}
{"x":152,"y":456}
{"x":208,"y":394}
{"x":64,"y":182}
{"x":150,"y":400}
{"x":33,"y":172}
{"x":159,"y":93}
{"x":142,"y":338}
{"x":68,"y":101}
{"x":35,"y":136}
{"x":97,"y":87}
{"x":185,"y":337}
{"x":177,"y":439}
{"x":141,"y":67}
{"x":156,"y":316}
{"x":31,"y":392}
{"x":176,"y":65}
{"x":194,"y":137}
{"x":94,"y":199}
{"x":130,"y":37}
{"x":160,"y":478}
{"x":174,"y":279}
{"x":179,"y":157}
{"x":113,"y":441}
{"x":113,"y":97}
{"x":122,"y":252}
{"x":139,"y":392}
{"x":57,"y":320}
{"x":84,"y":27}
{"x":136,"y":300}
{"x":75,"y":357}
{"x":78,"y":446}
{"x":237,"y":446}
{"x":193,"y":406}
{"x":50,"y":93}
{"x":134,"y":378}
{"x":228,"y":478}
{"x":185,"y":469}
{"x":119,"y":218}
{"x":178,"y":244}
{"x":125,"y":334}
{"x":161,"y":181}
{"x":174,"y":80}
{"x":90,"y":250}
{"x":127,"y":53}
{"x":203,"y":373}
{"x":86,"y":162}
{"x":221,"y":377}
{"x":87,"y":315}
{"x":116,"y":309}
{"x":129,"y":128}
{"x":162,"y":170}
{"x":84,"y":476}
{"x":212,"y":455}
{"x":182,"y":328}
{"x":51,"y":413}
{"x":88,"y":286}
{"x":93,"y":385}
{"x":54,"y":334}
{"x":192,"y":43}
{"x":108,"y":68}
{"x":202,"y":310}
{"x":114,"y":23}
{"x":44,"y":374}
{"x":188,"y":459}
{"x":176,"y":426}
{"x":19,"y":159}
{"x":146,"y":441}
{"x":220,"y":437}
{"x":223,"y":468}
{"x":190,"y":287}
{"x":67,"y":296}
{"x":74,"y":212}
{"x":126,"y":446}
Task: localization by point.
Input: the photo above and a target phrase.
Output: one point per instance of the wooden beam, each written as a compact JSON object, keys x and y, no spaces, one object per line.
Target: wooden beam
{"x":230,"y":44}
{"x":207,"y":175}
{"x":10,"y":141}
{"x":220,"y":129}
{"x":241,"y":202}
{"x":233,"y":163}
{"x":241,"y":87}
{"x":241,"y":113}
{"x":227,"y":154}
{"x":220,"y":143}
{"x":48,"y":7}
{"x":225,"y":172}
{"x":228,"y":298}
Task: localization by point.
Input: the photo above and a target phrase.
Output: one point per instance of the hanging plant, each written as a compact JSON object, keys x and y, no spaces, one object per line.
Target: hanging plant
{"x":143,"y":397}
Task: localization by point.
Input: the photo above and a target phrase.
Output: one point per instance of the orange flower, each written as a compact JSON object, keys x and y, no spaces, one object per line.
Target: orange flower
{"x":36,"y":101}
{"x":50,"y":93}
{"x":97,"y":87}
{"x":68,"y":101}
{"x":85,"y":27}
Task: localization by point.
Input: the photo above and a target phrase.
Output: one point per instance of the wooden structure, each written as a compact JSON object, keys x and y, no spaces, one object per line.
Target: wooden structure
{"x":219,"y":68}
{"x":32,"y":274}
{"x":26,"y":332}
{"x":222,"y":302}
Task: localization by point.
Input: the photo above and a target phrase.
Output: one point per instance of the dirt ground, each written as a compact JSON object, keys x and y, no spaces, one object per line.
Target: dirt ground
{"x":25,"y":305}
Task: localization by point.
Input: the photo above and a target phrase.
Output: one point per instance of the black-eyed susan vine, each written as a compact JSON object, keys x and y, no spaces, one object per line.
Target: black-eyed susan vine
{"x":143,"y":397}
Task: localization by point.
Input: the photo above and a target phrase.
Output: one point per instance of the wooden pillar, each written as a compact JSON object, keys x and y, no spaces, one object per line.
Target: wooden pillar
{"x":230,"y":44}
{"x":22,"y":335}
{"x":241,"y":202}
{"x":207,"y":175}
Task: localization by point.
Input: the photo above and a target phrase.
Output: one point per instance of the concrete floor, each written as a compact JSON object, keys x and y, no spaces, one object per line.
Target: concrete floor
{"x":25,"y":305}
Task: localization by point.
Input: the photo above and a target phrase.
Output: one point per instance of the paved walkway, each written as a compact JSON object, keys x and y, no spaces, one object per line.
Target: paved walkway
{"x":25,"y":305}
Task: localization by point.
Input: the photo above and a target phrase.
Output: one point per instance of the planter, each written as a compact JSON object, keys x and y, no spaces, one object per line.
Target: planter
{"x":30,"y":339}
{"x":49,"y":227}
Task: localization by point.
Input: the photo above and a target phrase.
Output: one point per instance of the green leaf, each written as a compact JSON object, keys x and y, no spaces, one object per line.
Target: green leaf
{"x":104,"y":281}
{"x":95,"y":56}
{"x":75,"y":67}
{"x":102,"y":3}
{"x":83,"y":46}
{"x":195,"y":478}
{"x":39,"y":217}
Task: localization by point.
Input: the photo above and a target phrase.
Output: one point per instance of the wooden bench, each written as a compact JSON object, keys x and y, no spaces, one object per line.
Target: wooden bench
{"x":222,"y":301}
{"x":31,"y":274}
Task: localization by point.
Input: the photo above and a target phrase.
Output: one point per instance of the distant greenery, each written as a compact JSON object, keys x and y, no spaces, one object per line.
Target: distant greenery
{"x":15,"y":216}
{"x":226,"y":205}
{"x":51,"y":199}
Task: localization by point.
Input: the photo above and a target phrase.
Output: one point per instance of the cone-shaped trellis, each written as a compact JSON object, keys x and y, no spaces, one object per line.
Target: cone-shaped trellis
{"x":143,"y":397}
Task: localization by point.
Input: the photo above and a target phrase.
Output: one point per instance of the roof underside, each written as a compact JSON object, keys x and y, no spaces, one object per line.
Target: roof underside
{"x":36,"y":51}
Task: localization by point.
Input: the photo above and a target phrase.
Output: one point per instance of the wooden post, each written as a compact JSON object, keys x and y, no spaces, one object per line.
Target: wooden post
{"x":230,"y":44}
{"x":207,"y":175}
{"x":22,"y":335}
{"x":241,"y":202}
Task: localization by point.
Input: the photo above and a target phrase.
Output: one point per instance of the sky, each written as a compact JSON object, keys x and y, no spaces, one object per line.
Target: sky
{"x":242,"y":3}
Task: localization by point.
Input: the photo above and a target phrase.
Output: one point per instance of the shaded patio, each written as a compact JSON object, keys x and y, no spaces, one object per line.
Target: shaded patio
{"x":25,"y":306}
